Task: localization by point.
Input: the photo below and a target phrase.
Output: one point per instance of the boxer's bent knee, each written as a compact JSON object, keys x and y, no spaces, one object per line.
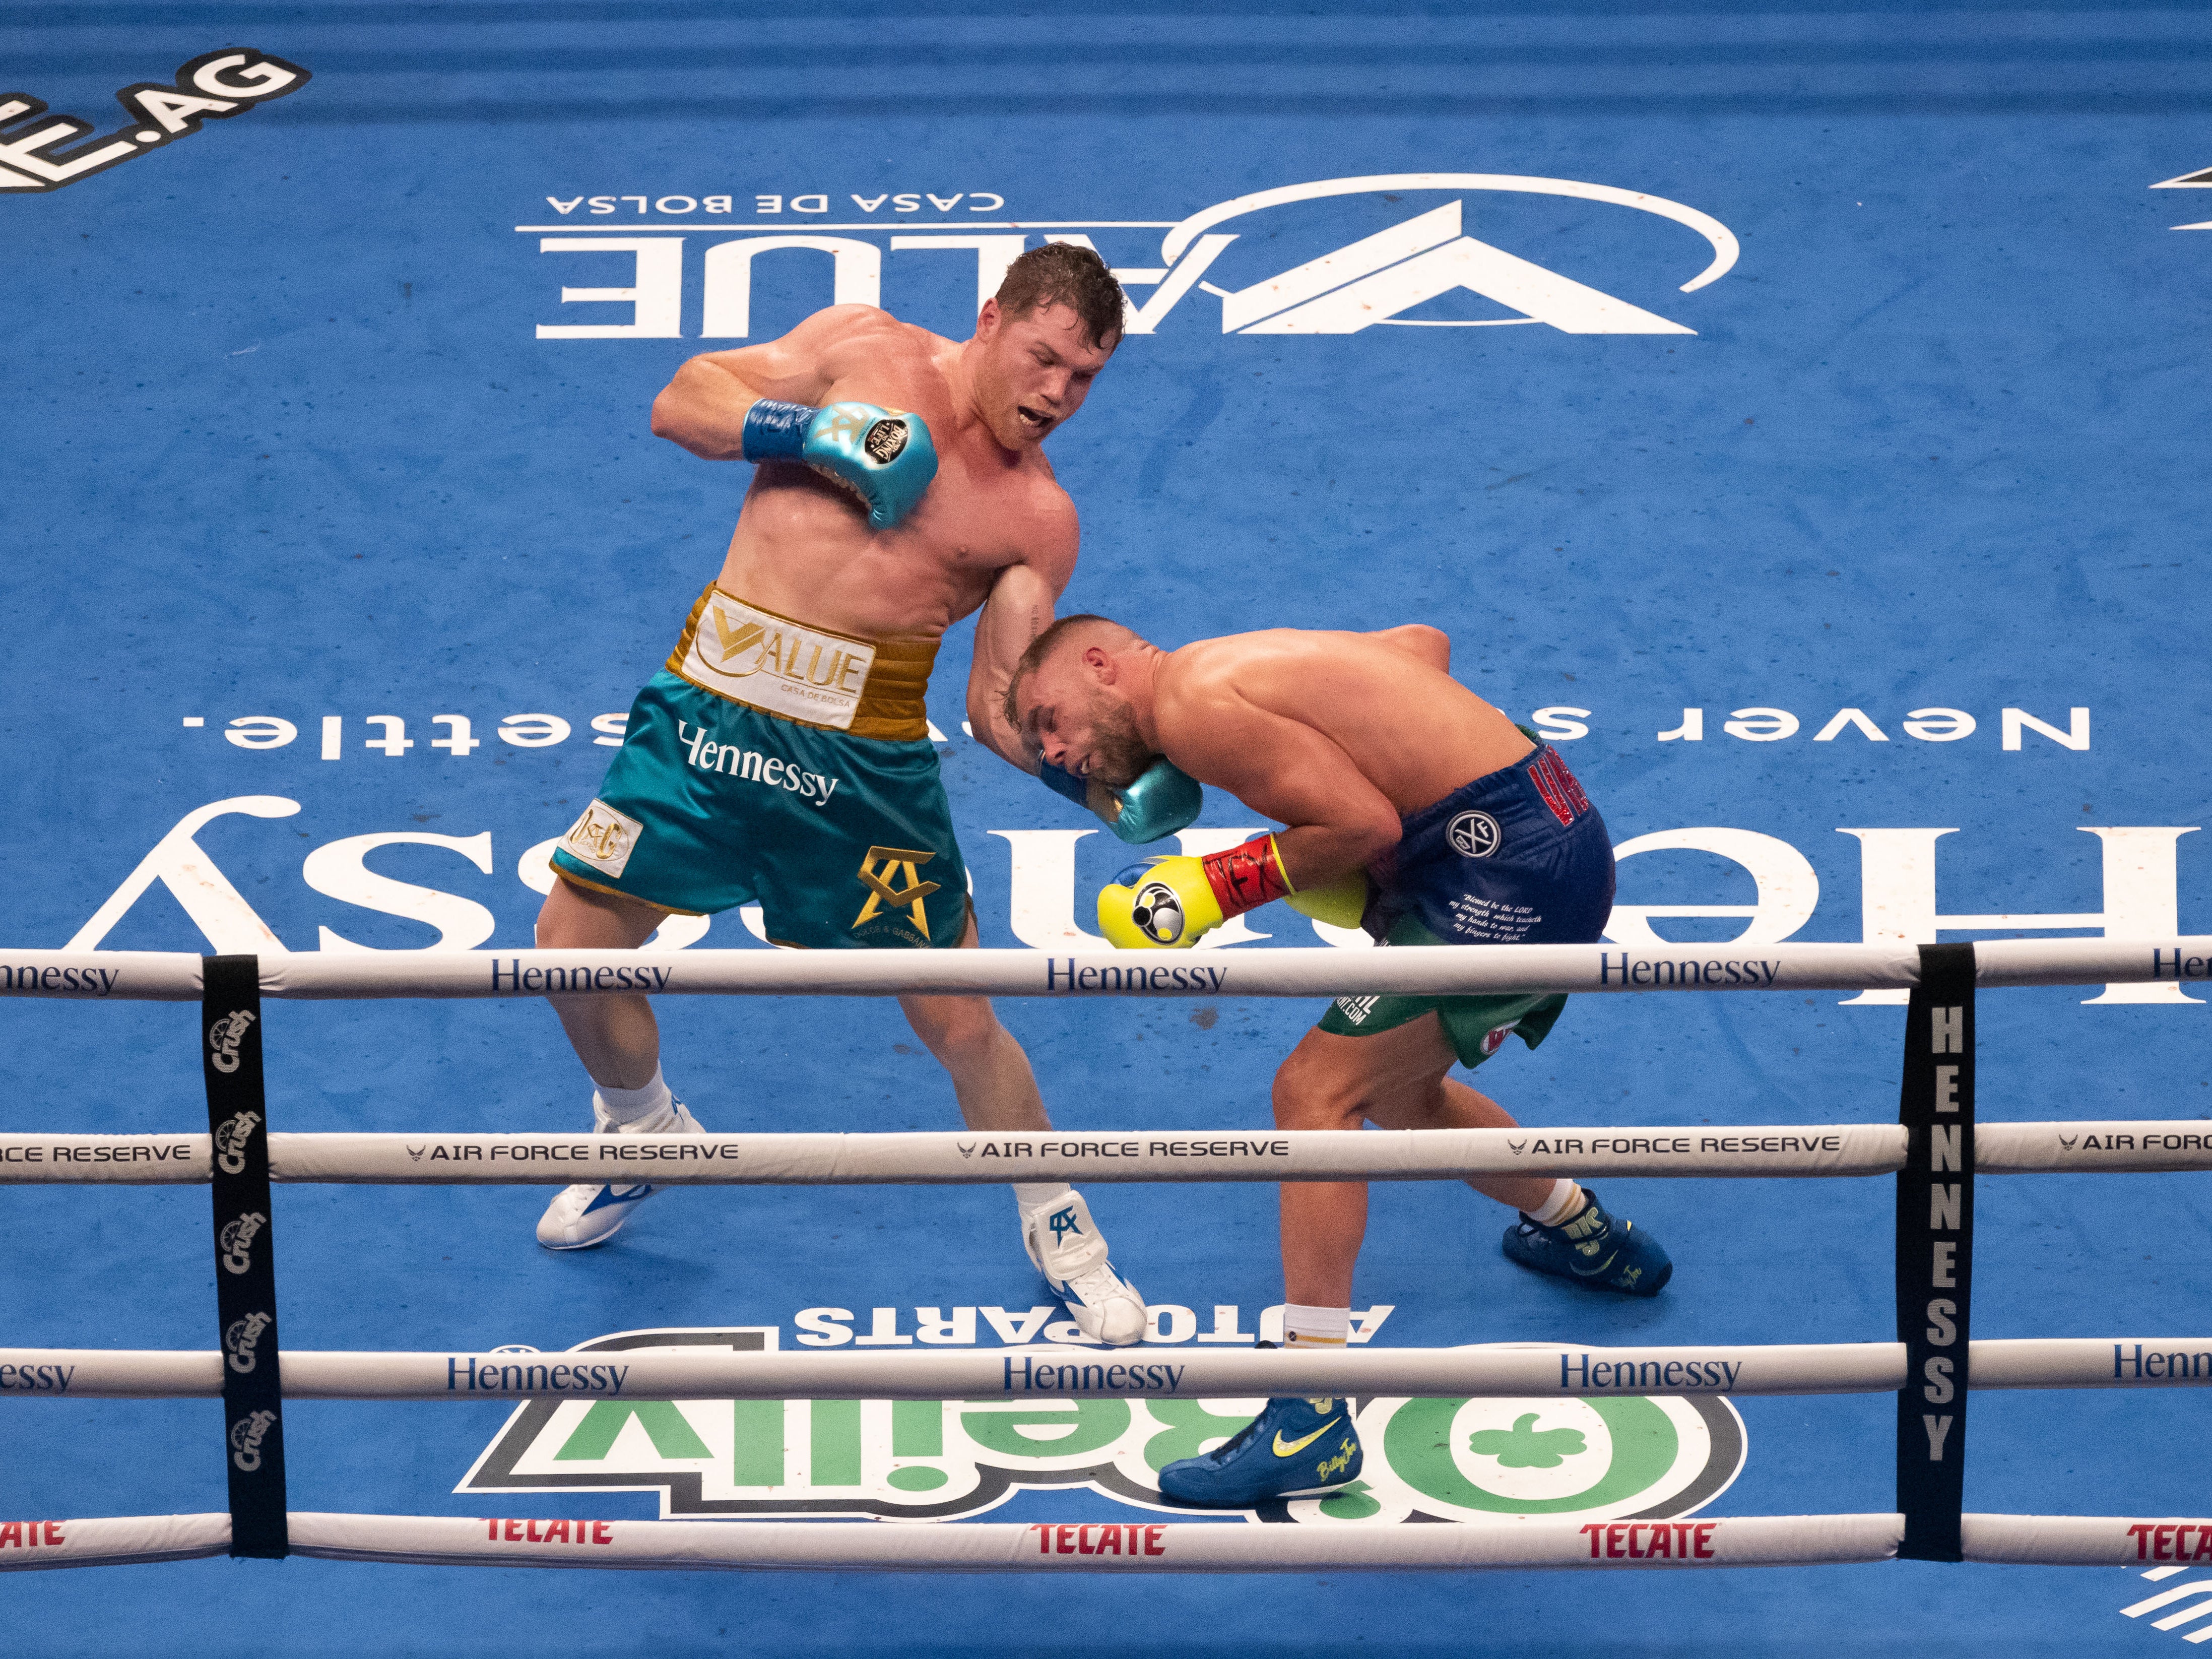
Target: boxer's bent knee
{"x":1320,"y":1086}
{"x":954,"y":1029}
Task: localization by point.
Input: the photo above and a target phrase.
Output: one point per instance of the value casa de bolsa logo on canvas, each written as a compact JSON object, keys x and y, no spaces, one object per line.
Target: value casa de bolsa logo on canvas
{"x":1624,"y":1456}
{"x":1385,"y":249}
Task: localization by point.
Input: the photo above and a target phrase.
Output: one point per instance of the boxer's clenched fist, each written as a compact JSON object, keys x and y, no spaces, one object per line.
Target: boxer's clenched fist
{"x":884,"y":456}
{"x":1163,"y":799}
{"x":1170,"y":903}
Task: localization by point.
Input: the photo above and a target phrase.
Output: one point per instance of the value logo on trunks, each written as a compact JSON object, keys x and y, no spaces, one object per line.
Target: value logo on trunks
{"x":877,"y":871}
{"x":1474,"y":834}
{"x":770,"y":662}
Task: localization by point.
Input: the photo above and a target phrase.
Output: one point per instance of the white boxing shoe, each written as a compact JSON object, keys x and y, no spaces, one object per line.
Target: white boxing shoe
{"x":1069,"y":1250}
{"x":583,"y":1216}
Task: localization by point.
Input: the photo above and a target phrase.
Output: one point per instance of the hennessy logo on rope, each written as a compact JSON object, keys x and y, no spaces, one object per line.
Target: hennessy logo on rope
{"x":877,"y":869}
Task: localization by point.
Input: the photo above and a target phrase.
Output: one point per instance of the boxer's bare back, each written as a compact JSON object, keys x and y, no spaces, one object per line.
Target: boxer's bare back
{"x":994,"y":526}
{"x":1339,"y":735}
{"x":1297,"y":705}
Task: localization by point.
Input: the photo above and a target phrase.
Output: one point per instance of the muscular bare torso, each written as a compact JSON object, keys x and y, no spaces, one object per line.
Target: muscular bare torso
{"x":803,"y":549}
{"x":1225,"y":707}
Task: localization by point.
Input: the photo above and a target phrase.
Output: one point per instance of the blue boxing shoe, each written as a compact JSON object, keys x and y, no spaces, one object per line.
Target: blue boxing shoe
{"x":1294,"y":1449}
{"x":1594,"y":1249}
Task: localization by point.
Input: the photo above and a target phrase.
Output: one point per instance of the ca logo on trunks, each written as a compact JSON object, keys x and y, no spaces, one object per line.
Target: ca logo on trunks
{"x":1474,"y":834}
{"x":878,"y":870}
{"x":604,"y":837}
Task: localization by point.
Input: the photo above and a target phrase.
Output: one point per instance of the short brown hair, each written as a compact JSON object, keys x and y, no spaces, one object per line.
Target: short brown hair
{"x":1060,"y":273}
{"x":1041,"y":648}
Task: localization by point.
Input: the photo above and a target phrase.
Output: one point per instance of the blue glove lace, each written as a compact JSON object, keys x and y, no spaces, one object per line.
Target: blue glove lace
{"x":774,"y":431}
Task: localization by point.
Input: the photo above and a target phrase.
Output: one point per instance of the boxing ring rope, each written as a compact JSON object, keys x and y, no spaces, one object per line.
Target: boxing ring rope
{"x":1934,"y":1151}
{"x":173,"y":976}
{"x":1757,"y":1540}
{"x":991,"y":1158}
{"x":1499,"y":1370}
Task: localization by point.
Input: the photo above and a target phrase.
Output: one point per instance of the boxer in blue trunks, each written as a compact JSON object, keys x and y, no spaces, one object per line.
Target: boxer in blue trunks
{"x":1416,"y":811}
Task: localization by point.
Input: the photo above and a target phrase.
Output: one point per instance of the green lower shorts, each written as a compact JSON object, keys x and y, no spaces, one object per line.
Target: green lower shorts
{"x":1476,"y":1026}
{"x":711,"y":803}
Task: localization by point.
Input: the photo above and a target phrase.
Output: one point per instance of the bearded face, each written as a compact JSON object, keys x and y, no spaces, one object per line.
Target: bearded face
{"x":1119,"y":755}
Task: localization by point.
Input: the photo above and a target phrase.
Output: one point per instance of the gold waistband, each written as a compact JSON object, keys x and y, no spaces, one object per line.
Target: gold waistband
{"x":891,"y":705}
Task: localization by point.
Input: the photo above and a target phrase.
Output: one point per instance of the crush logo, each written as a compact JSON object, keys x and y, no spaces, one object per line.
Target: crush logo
{"x":215,"y":86}
{"x":928,"y":1460}
{"x":236,"y":1241}
{"x":240,"y":1341}
{"x":230,"y":1141}
{"x":245,"y":1437}
{"x":1412,"y":250}
{"x":225,"y":1037}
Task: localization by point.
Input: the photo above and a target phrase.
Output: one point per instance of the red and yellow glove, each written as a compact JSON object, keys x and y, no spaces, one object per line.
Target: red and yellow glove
{"x":1173,"y":902}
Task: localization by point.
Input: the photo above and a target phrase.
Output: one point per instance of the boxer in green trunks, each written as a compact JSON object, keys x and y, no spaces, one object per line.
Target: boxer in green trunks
{"x":782,"y":755}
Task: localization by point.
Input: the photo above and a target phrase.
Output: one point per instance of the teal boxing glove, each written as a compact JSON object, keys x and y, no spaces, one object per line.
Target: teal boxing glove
{"x":882,"y":455}
{"x":1163,"y":799}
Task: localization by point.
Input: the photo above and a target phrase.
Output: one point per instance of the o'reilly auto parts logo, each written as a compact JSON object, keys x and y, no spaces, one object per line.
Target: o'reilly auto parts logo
{"x":213,"y":85}
{"x":926,"y":1460}
{"x":1336,"y":256}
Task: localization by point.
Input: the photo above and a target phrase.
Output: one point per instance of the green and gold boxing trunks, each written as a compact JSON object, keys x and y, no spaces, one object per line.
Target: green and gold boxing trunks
{"x":773,"y":763}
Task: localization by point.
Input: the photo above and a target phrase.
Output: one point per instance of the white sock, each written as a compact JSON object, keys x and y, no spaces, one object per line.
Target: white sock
{"x":1035,"y":1195}
{"x":1565,"y":1200}
{"x":630,"y":1106}
{"x":1316,"y":1326}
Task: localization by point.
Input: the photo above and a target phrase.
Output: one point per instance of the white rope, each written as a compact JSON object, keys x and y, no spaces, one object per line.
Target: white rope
{"x":1145,"y":1545}
{"x":95,"y":976}
{"x":953,"y":1158}
{"x":1496,"y":1371}
{"x":1150,"y":1545}
{"x":2085,"y":1541}
{"x":1153,"y":1543}
{"x":111,"y":1540}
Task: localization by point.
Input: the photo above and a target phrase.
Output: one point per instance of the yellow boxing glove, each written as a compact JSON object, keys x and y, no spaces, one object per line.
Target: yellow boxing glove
{"x":1340,"y":903}
{"x":1172,"y":902}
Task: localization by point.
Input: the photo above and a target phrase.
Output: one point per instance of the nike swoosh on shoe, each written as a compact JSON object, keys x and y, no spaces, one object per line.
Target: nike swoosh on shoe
{"x":1298,"y":1446}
